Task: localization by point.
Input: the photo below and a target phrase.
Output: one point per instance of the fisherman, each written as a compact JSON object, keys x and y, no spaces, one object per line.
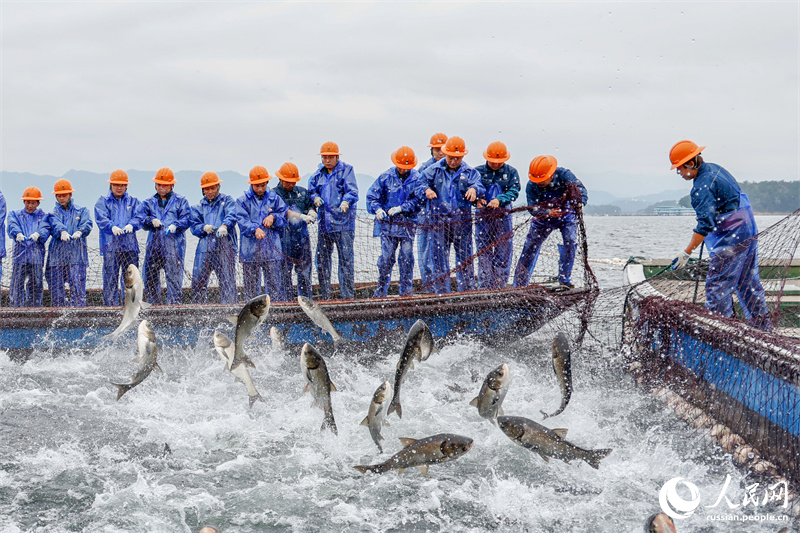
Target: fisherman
{"x":29,"y":228}
{"x":67,"y":254}
{"x":2,"y":232}
{"x":261,"y":215}
{"x":166,"y":217}
{"x":726,"y":225}
{"x":453,"y":187}
{"x":295,"y":239}
{"x":394,"y":202}
{"x":552,"y":193}
{"x":334,"y":191}
{"x":118,"y":216}
{"x":213,"y":222}
{"x":423,"y":221}
{"x":493,"y":232}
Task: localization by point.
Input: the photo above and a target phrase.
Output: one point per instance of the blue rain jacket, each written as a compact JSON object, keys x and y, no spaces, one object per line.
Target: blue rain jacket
{"x":295,"y":233}
{"x":250,"y":214}
{"x":73,"y":252}
{"x":176,"y":211}
{"x":391,"y":190}
{"x":221,"y":211}
{"x":714,"y":192}
{"x":340,"y":185}
{"x":2,"y":227}
{"x":426,"y":164}
{"x":28,"y":252}
{"x":109,"y":212}
{"x":552,"y":195}
{"x":502,"y":184}
{"x":450,"y":188}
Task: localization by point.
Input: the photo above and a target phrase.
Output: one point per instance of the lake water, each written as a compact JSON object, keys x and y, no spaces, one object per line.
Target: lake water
{"x":72,"y":458}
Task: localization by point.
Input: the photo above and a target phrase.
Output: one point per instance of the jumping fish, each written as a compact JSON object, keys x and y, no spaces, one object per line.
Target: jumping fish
{"x":419,"y":346}
{"x":278,"y":340}
{"x":377,"y":412}
{"x":134,"y":291}
{"x":562,"y":366}
{"x":661,"y":523}
{"x":148,"y":351}
{"x":318,"y":317}
{"x":492,"y":393}
{"x":319,"y":383}
{"x":546,"y":442}
{"x":250,"y":317}
{"x":422,"y":453}
{"x":225,"y":349}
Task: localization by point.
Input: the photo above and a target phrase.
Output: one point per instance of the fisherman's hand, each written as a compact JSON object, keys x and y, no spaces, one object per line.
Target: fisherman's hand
{"x":430,"y":194}
{"x":344,"y":206}
{"x":268,"y":221}
{"x":313,"y":215}
{"x":116,"y":231}
{"x":208,"y":228}
{"x":172,"y":228}
{"x":156,"y":223}
{"x":395,"y":210}
{"x":65,"y":236}
{"x":128,"y":228}
{"x":555,"y":213}
{"x":260,"y":233}
{"x":471,"y":194}
{"x":35,"y":236}
{"x":222,"y":231}
{"x":20,"y":237}
{"x":307,"y":219}
{"x":380,"y":214}
{"x":318,"y":201}
{"x":494,"y":204}
{"x":77,"y":235}
{"x":679,"y":262}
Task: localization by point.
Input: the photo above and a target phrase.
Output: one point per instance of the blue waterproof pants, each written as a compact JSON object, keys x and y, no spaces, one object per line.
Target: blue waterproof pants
{"x":343,"y":240}
{"x":57,"y":279}
{"x":405,"y":262}
{"x":223,"y":263}
{"x":540,"y":229}
{"x":173,"y":271}
{"x":423,"y":257}
{"x":494,"y":260}
{"x":301,"y":264}
{"x":272,"y":284}
{"x":114,"y":266}
{"x":26,"y":285}
{"x":736,"y":269}
{"x":457,"y":234}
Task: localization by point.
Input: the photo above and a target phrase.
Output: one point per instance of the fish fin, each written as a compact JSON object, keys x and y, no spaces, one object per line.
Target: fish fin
{"x":594,"y":456}
{"x":145,"y":305}
{"x":255,"y":397}
{"x":500,"y":411}
{"x":307,"y":387}
{"x":122,"y":388}
{"x":411,"y":364}
{"x":246,"y":360}
{"x":233,"y":319}
{"x":363,"y":468}
{"x":156,"y":367}
{"x":561,"y":433}
{"x":545,"y":415}
{"x":329,"y":423}
{"x":333,"y":387}
{"x":405,"y":441}
{"x":474,"y":402}
{"x":424,"y":470}
{"x":365,"y":422}
{"x":543,"y":456}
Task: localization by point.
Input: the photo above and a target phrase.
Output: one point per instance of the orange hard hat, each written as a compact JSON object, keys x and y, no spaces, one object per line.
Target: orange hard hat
{"x":164,"y":176}
{"x":455,"y":147}
{"x":404,"y":158}
{"x":682,"y":152}
{"x":288,"y":172}
{"x":259,"y":174}
{"x":329,"y":148}
{"x":119,"y":177}
{"x":542,"y":168}
{"x":438,"y":140}
{"x":209,"y":179}
{"x":32,"y":193}
{"x":62,"y":186}
{"x":496,"y":152}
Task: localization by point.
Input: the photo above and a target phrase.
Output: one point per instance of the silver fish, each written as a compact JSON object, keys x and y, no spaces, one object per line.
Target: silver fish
{"x":492,"y":393}
{"x":319,"y":383}
{"x":148,"y":351}
{"x":662,"y":523}
{"x":225,"y":349}
{"x":419,"y":346}
{"x":250,"y":317}
{"x":562,"y":365}
{"x":546,"y":442}
{"x":134,"y":294}
{"x":422,"y":453}
{"x":318,"y":317}
{"x":377,"y":412}
{"x":278,"y":339}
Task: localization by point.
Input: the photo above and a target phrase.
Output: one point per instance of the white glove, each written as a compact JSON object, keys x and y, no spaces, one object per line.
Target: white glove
{"x":380,"y":214}
{"x":116,"y":231}
{"x":128,"y":228}
{"x":679,"y":262}
{"x":64,"y":236}
{"x":307,"y":219}
{"x":156,"y":223}
{"x":313,"y":215}
{"x":77,"y":235}
{"x":344,"y":206}
{"x":222,"y":231}
{"x":396,"y":209}
{"x":20,"y":237}
{"x":318,"y":201}
{"x":35,"y":236}
{"x":208,"y":228}
{"x":172,"y":228}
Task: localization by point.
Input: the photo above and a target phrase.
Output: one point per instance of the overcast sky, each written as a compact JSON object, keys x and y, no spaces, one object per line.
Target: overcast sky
{"x":605,"y":87}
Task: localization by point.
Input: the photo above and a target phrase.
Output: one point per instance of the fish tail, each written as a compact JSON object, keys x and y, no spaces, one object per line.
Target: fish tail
{"x":255,"y":397}
{"x":593,"y":457}
{"x":395,"y":406}
{"x":365,"y":468}
{"x":122,"y":388}
{"x":329,"y":423}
